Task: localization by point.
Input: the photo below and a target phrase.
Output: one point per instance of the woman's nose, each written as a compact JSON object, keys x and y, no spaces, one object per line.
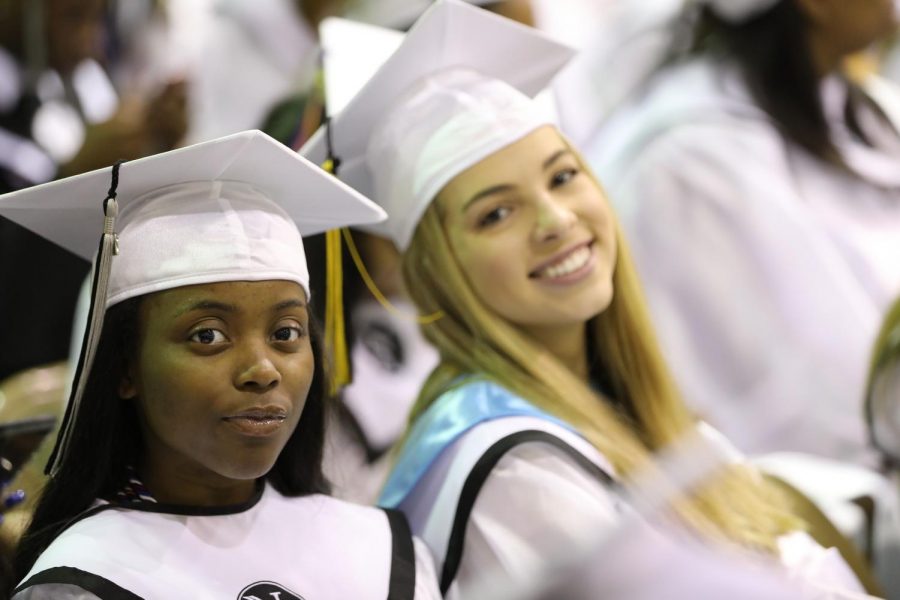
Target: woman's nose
{"x":257,"y":371}
{"x":554,"y":218}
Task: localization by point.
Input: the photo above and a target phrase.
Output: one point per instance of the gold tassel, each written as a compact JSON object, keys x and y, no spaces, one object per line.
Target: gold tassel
{"x":373,"y":289}
{"x":335,"y":335}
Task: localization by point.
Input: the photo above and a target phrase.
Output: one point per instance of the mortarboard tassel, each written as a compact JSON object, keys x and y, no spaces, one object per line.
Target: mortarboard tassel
{"x":373,"y":288}
{"x":109,"y":246}
{"x":335,"y":334}
{"x":335,"y":331}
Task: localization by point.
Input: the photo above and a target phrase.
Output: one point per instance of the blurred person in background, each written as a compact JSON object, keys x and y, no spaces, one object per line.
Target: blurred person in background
{"x":60,"y":115}
{"x":255,"y":63}
{"x":250,"y":57}
{"x":761,"y":191}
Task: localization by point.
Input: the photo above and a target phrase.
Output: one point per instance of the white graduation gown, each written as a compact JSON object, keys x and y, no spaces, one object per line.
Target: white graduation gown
{"x":767,"y":272}
{"x":538,"y":497}
{"x":307,"y":547}
{"x":502,"y":496}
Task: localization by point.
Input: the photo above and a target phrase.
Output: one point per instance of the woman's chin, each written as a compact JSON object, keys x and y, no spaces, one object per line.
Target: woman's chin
{"x":247,"y":470}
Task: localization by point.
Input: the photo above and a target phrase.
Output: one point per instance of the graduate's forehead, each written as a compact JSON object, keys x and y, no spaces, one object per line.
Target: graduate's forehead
{"x":243,"y":298}
{"x":507,"y":169}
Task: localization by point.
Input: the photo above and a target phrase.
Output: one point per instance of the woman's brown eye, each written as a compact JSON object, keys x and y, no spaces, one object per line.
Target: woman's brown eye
{"x":493,"y":217}
{"x":288,"y":334}
{"x":208,"y":336}
{"x":563,"y":177}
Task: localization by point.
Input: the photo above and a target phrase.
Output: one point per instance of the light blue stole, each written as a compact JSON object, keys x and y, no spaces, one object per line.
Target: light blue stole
{"x":454,"y":413}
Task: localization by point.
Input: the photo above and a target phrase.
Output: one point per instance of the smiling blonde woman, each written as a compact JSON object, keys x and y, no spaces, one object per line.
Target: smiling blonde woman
{"x":550,"y":388}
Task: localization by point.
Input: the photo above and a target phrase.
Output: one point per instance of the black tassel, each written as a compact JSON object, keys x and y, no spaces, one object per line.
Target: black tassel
{"x":109,"y":246}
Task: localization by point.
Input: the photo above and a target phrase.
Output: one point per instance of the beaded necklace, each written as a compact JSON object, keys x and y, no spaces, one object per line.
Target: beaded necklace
{"x":134,"y":490}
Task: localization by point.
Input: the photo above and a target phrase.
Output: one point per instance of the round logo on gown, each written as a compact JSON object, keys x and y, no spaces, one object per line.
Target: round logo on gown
{"x":267,"y":590}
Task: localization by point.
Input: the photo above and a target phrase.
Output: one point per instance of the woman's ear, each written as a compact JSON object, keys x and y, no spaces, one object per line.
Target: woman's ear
{"x":127,"y":388}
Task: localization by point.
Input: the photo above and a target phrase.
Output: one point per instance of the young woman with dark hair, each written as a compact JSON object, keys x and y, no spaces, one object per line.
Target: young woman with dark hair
{"x":783,"y":56}
{"x":106,"y":448}
{"x":759,"y":187}
{"x":772,"y":52}
{"x":189,"y":460}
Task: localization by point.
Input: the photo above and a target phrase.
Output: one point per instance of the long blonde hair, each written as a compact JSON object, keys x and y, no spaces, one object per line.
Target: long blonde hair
{"x":472,"y":339}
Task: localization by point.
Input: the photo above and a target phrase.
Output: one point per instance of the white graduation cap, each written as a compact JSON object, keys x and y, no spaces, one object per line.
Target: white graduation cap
{"x":231,"y":209}
{"x":352,"y":52}
{"x":611,"y":560}
{"x":457,"y":89}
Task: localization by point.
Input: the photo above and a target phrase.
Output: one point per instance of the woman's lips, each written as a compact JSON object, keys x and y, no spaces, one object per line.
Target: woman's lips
{"x":258,"y":422}
{"x":570,"y":267}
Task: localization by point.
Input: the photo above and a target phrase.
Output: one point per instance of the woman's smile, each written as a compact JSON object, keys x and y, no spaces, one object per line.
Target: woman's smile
{"x":568,"y":267}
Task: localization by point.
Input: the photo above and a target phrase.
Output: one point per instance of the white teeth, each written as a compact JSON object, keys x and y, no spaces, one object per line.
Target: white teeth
{"x":570,"y":264}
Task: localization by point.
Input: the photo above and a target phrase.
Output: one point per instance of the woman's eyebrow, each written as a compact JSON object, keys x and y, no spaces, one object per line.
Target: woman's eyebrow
{"x":497,"y":189}
{"x":230,"y":308}
{"x":207,"y":305}
{"x":555,"y":157}
{"x":292,"y":303}
{"x":505,"y":187}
